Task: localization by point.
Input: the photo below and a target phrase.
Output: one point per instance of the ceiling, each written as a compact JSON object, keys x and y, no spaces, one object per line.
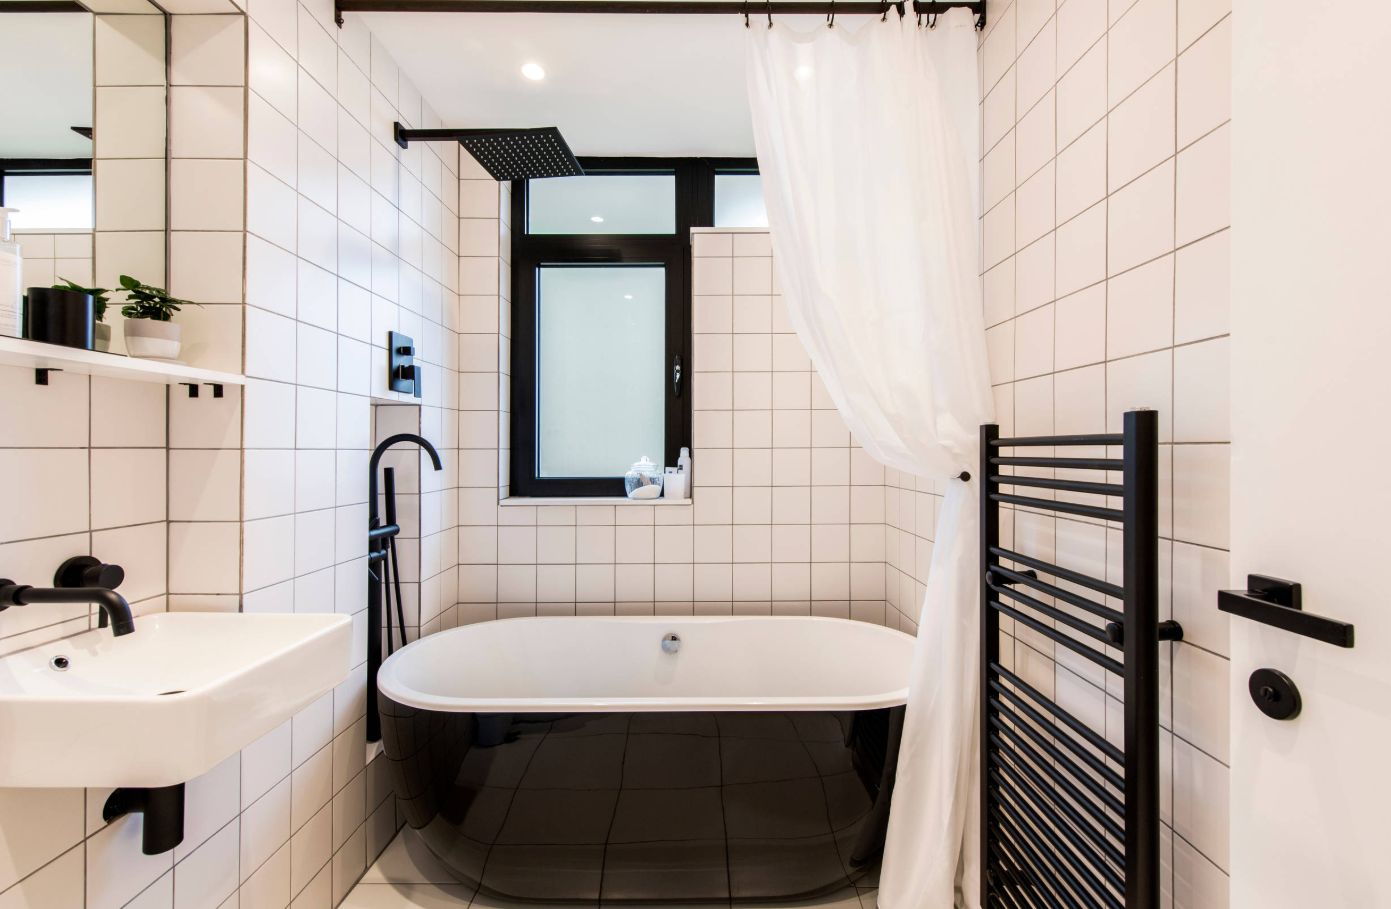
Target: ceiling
{"x":615,"y":85}
{"x":46,"y":74}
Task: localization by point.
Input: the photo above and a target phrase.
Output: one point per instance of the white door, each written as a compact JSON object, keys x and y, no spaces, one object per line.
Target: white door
{"x":1311,"y":431}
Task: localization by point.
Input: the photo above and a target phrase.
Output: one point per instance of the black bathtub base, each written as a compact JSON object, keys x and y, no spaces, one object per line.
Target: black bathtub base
{"x":647,"y":807}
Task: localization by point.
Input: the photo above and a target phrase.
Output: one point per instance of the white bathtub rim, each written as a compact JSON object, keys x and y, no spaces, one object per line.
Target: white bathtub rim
{"x":391,"y":687}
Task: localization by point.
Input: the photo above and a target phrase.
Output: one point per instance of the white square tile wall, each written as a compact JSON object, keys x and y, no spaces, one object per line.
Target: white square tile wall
{"x":128,"y":163}
{"x":51,"y":257}
{"x":1105,"y":231}
{"x":347,"y":237}
{"x":787,"y":514}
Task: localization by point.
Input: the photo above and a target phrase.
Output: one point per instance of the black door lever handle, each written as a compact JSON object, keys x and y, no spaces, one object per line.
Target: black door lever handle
{"x":1279,"y":604}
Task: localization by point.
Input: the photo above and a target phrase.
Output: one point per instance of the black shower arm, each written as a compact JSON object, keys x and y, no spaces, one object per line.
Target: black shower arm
{"x":404,"y":137}
{"x":376,"y":460}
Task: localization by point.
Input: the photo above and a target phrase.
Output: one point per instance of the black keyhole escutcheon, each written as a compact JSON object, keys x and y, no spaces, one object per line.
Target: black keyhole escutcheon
{"x":1275,"y":694}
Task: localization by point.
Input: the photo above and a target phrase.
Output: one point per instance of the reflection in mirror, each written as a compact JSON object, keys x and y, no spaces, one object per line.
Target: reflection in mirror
{"x":83,"y":125}
{"x":45,"y":141}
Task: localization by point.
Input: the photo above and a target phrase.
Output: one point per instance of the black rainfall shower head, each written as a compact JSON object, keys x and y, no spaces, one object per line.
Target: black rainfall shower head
{"x":507,"y":154}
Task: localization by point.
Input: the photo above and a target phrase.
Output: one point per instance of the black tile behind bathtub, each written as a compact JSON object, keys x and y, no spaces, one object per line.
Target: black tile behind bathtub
{"x":660,"y":761}
{"x":646,"y":807}
{"x":696,"y":870}
{"x":783,"y":868}
{"x":645,"y":815}
{"x":498,"y":765}
{"x":847,"y":803}
{"x":675,"y":724}
{"x":557,"y":872}
{"x":576,"y":762}
{"x":782,"y":810}
{"x":554,"y":817}
{"x":757,"y":726}
{"x":822,"y":727}
{"x":764,"y":760}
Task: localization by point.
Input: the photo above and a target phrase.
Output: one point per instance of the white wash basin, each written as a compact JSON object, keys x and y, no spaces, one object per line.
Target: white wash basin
{"x":165,"y":703}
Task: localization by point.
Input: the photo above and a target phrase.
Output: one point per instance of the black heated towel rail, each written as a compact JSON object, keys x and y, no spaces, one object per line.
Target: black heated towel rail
{"x":1070,"y":820}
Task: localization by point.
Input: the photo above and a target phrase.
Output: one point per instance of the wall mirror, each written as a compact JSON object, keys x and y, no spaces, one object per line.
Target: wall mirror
{"x":83,"y":127}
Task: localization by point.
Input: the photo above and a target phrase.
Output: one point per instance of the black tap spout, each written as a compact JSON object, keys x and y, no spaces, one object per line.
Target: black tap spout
{"x":376,"y":460}
{"x":114,"y":607}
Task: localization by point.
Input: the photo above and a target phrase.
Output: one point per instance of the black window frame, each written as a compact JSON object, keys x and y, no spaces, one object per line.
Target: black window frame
{"x":695,"y":207}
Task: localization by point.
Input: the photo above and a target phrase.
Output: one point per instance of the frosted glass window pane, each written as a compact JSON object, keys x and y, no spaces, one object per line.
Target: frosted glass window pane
{"x":623,"y":204}
{"x":601,"y":356}
{"x":50,"y":200}
{"x":739,"y":201}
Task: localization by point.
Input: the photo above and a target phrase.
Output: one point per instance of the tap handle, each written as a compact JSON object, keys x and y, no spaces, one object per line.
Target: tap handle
{"x":86,"y":571}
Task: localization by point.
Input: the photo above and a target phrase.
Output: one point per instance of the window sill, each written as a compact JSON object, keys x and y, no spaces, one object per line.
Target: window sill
{"x":517,"y":501}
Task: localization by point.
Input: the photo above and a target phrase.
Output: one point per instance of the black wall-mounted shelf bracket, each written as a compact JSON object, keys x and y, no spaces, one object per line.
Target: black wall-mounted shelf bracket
{"x":1279,"y":604}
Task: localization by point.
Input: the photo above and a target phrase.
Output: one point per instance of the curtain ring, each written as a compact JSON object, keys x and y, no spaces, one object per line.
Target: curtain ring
{"x":884,"y":14}
{"x":770,"y":12}
{"x":831,"y":16}
{"x":746,"y":13}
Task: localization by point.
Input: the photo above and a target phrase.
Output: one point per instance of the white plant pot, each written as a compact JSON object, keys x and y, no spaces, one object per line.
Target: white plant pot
{"x":102,"y":336}
{"x":152,"y":340}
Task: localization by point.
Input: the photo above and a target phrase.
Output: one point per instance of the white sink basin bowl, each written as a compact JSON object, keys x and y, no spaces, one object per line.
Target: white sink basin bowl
{"x":164,"y":704}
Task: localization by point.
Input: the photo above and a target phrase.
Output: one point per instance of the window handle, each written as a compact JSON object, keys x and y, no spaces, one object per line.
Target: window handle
{"x":676,"y":375}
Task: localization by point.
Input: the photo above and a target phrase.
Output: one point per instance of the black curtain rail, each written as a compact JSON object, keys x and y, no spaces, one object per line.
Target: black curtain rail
{"x":660,"y":7}
{"x":42,"y":6}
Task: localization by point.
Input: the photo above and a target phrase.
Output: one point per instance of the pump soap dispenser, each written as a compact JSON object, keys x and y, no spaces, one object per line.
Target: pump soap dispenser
{"x":11,"y":278}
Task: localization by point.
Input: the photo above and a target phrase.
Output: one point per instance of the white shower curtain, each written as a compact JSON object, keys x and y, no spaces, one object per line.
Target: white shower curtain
{"x":867,"y":142}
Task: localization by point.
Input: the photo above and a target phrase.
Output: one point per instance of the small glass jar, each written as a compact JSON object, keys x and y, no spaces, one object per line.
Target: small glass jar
{"x":643,"y":480}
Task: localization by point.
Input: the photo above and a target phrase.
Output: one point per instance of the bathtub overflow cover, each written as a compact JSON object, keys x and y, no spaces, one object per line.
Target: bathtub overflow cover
{"x":60,"y":663}
{"x":671,"y":643}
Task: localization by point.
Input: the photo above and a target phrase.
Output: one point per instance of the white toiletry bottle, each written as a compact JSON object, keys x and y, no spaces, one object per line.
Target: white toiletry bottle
{"x":11,"y":279}
{"x":683,"y":464}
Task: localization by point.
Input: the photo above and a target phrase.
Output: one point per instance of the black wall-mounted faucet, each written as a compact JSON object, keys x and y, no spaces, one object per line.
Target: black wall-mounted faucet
{"x":81,"y":579}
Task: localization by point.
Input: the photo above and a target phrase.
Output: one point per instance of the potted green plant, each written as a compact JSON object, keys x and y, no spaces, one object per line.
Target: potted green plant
{"x":101,"y":331}
{"x":150,"y":332}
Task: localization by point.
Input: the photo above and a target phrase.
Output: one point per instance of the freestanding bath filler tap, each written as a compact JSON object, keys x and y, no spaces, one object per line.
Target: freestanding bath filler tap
{"x":381,"y":548}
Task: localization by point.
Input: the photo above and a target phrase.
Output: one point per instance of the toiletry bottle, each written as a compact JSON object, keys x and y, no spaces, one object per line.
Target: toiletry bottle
{"x":683,"y":464}
{"x":11,"y":279}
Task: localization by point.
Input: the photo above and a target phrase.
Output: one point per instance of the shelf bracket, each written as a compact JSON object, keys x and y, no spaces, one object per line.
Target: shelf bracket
{"x":41,"y":374}
{"x":192,"y":388}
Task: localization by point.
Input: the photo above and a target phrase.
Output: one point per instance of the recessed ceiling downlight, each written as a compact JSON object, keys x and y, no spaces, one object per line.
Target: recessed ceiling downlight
{"x":533,"y":71}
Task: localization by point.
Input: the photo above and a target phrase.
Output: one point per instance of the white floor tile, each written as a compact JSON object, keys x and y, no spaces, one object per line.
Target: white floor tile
{"x":408,"y":861}
{"x":400,"y":896}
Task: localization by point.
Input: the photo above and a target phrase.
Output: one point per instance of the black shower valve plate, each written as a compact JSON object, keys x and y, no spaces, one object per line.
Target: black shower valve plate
{"x":403,"y":374}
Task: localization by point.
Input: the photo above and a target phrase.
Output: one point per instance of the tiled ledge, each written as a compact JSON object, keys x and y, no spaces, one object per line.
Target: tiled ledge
{"x":517,"y":501}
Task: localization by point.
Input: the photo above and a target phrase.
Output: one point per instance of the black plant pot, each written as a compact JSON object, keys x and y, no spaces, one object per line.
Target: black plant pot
{"x":59,"y":316}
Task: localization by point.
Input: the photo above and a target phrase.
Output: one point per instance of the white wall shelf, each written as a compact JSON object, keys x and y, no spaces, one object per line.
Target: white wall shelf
{"x":542,"y":501}
{"x":40,"y":356}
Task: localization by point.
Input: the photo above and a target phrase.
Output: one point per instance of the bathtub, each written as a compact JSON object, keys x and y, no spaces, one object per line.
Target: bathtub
{"x":649,"y":758}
